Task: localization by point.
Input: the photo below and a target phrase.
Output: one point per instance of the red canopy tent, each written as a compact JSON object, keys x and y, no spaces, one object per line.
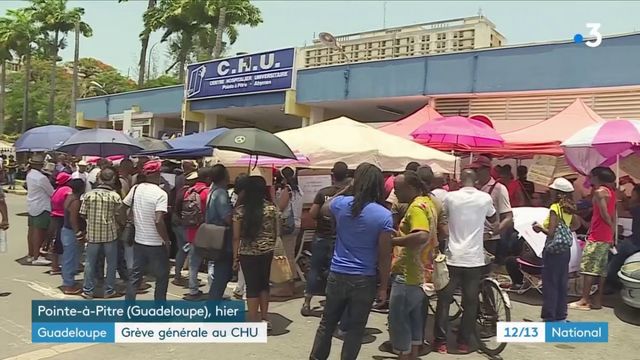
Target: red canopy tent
{"x":544,"y":138}
{"x":405,"y":126}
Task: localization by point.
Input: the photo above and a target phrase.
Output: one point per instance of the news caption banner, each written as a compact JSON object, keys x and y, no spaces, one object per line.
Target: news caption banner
{"x":553,"y":332}
{"x":143,"y":322}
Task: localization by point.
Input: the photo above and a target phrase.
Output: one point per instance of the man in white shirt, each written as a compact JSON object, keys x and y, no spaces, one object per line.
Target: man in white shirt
{"x":498,"y":241}
{"x":149,"y":205}
{"x":81,"y":173}
{"x":39,"y":191}
{"x":467,"y":210}
{"x":92,"y":178}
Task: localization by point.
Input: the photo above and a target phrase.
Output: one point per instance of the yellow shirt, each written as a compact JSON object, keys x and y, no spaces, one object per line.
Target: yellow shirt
{"x":409,"y":262}
{"x":556,"y":208}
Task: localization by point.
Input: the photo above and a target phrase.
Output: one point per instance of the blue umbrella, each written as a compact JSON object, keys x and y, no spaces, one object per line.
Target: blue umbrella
{"x":100,"y":142}
{"x":43,"y":138}
{"x":197,"y":140}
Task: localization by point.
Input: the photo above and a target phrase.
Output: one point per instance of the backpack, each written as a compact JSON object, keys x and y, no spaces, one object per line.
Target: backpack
{"x":192,"y":213}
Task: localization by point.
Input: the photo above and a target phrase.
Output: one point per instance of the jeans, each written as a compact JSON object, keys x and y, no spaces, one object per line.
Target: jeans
{"x":625,"y":249}
{"x":11,"y":178}
{"x":181,"y":241}
{"x":469,"y":280}
{"x":555,"y":279}
{"x":407,"y":314}
{"x":69,"y":257}
{"x":110,"y":250}
{"x":356,"y":293}
{"x":223,"y":271}
{"x":158,"y":259}
{"x":321,"y":252}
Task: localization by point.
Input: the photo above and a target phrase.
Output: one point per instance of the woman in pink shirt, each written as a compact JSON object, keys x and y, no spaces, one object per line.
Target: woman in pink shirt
{"x":57,"y":218}
{"x":600,"y":238}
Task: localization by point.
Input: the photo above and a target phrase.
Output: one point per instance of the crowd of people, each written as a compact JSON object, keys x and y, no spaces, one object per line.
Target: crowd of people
{"x":376,"y":237}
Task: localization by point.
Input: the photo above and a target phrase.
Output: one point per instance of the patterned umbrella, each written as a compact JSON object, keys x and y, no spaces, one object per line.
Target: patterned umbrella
{"x":602,"y":144}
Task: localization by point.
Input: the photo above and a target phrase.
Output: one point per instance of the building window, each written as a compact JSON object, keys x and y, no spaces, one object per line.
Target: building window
{"x":442,"y":36}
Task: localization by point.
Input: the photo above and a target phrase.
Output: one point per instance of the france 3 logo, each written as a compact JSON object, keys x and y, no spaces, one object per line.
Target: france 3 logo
{"x":595,"y":32}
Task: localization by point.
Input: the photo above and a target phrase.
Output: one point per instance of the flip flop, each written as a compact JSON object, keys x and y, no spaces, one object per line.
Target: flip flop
{"x":576,"y":306}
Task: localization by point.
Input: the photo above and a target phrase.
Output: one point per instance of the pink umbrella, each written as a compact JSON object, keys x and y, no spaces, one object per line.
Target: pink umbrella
{"x":301,"y":160}
{"x":602,"y":144}
{"x":457,"y":130}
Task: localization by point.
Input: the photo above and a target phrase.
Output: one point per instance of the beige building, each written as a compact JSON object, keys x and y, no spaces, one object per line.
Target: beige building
{"x":469,"y":33}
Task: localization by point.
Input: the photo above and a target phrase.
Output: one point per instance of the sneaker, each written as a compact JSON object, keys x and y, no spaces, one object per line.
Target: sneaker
{"x":440,"y":347}
{"x":29,"y":259}
{"x":57,"y":271}
{"x":70,"y":290}
{"x":41,"y":261}
{"x":179,"y":281}
{"x":87,"y":296}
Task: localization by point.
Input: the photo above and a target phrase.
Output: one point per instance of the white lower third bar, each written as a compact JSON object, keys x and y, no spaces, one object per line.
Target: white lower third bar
{"x":191,"y":332}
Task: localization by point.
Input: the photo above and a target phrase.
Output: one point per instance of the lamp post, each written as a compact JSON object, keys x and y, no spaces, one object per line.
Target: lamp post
{"x":94,"y":85}
{"x":149,"y":60}
{"x":330,"y":41}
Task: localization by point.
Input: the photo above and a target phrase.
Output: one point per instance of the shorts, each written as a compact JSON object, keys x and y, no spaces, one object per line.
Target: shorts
{"x":41,"y":221}
{"x":594,"y":258}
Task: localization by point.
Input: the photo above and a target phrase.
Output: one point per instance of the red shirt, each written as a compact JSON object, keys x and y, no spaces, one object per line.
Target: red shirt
{"x":516,"y":194}
{"x":204,"y":194}
{"x":599,"y":231}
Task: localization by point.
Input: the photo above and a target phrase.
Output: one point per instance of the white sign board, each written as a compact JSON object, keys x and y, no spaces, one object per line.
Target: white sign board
{"x":311,"y":184}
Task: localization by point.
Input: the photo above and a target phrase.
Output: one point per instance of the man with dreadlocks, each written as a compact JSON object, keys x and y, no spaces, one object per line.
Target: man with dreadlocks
{"x":364,"y":228}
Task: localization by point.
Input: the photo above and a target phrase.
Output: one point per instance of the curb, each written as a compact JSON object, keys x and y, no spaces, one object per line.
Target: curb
{"x":15,"y":192}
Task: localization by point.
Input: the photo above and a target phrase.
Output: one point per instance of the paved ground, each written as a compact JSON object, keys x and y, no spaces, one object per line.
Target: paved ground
{"x":296,"y":333}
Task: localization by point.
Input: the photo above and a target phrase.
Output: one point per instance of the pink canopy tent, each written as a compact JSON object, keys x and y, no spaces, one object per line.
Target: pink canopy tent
{"x":544,"y":138}
{"x":405,"y":126}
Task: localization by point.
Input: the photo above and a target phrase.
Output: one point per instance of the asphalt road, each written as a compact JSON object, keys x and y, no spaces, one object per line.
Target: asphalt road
{"x":294,"y":333}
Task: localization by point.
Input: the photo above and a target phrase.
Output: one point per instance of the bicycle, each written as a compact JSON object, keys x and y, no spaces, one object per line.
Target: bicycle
{"x":493,"y":306}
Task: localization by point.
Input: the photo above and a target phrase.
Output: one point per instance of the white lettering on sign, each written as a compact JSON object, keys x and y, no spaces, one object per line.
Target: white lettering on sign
{"x":223,"y":68}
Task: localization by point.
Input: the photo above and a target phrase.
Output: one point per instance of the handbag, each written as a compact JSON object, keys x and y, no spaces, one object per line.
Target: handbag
{"x":280,"y":267}
{"x":128,"y":234}
{"x":440,"y":272}
{"x":562,"y":238}
{"x":210,"y":239}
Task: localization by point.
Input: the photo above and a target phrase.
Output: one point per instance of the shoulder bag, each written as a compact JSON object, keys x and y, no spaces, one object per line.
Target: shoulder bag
{"x":440,"y":272}
{"x":128,"y":234}
{"x":209,"y":240}
{"x":562,"y":237}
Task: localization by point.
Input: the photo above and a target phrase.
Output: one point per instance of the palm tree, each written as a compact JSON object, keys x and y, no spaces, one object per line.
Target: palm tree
{"x":22,"y":37}
{"x":5,"y":55}
{"x":57,"y":21}
{"x":144,"y":40}
{"x":224,"y":15}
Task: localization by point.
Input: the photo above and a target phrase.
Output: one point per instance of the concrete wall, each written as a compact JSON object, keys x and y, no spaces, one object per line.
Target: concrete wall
{"x":534,"y":67}
{"x":165,"y":100}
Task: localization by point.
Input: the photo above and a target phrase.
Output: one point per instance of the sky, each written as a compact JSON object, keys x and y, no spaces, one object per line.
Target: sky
{"x":295,"y":23}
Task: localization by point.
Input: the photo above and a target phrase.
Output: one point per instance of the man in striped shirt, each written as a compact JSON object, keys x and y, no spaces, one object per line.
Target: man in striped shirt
{"x":101,"y":208}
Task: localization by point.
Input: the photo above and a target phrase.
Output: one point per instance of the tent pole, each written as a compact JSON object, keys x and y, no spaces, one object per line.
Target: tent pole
{"x":615,"y":240}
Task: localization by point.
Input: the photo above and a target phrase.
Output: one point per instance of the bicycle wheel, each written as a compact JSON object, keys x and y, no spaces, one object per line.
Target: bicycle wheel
{"x":492,"y":308}
{"x":455,"y":309}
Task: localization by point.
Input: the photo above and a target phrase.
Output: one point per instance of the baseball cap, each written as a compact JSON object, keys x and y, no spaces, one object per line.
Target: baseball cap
{"x":562,"y":184}
{"x":152,"y":167}
{"x":480,"y":162}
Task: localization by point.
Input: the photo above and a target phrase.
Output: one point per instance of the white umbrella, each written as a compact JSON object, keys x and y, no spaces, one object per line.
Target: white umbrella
{"x":343,"y":139}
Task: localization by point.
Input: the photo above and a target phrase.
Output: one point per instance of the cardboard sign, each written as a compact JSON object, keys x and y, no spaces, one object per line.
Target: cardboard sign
{"x":545,"y":168}
{"x":631,"y":165}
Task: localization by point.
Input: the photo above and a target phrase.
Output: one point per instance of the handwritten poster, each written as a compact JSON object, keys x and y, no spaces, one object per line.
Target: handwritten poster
{"x":545,"y":168}
{"x":311,"y":184}
{"x":631,"y":165}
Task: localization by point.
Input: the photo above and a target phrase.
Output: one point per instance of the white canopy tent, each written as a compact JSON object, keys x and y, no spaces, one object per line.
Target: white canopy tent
{"x":343,"y":139}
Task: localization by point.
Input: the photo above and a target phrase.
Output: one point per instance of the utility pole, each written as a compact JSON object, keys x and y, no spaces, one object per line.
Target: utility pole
{"x":74,"y":87}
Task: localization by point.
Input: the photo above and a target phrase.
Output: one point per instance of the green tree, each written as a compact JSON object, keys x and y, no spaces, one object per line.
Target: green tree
{"x":224,"y":16}
{"x":144,"y":41}
{"x":57,"y":21}
{"x":160,"y":81}
{"x":99,"y":78}
{"x":5,"y":56}
{"x":22,"y":36}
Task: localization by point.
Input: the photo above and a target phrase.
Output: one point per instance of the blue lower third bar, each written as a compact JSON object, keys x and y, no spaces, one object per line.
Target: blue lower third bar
{"x":72,"y":332}
{"x":576,"y":332}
